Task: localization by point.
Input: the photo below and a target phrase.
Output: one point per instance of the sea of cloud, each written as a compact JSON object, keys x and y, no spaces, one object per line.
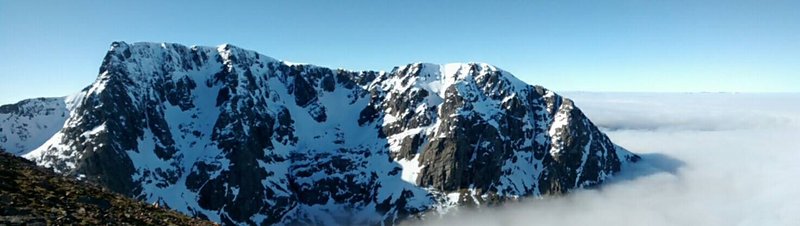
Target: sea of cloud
{"x":708,"y":159}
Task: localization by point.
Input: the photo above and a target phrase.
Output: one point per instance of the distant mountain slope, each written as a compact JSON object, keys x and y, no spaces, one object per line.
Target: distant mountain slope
{"x":32,"y":195}
{"x":26,"y":125}
{"x":241,"y":138}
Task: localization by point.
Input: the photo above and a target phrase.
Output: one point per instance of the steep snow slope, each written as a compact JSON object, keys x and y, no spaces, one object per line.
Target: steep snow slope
{"x":240,"y":138}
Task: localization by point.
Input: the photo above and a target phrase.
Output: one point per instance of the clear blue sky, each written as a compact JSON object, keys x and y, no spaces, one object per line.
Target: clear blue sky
{"x":55,"y":48}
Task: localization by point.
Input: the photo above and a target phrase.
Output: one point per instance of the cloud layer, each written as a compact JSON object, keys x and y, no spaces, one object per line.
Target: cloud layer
{"x":709,"y":159}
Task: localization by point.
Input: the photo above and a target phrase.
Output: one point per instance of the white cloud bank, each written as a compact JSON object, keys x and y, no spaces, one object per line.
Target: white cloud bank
{"x":709,"y":159}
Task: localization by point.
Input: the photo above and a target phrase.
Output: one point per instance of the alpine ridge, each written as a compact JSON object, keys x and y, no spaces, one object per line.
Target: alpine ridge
{"x":236,"y":137}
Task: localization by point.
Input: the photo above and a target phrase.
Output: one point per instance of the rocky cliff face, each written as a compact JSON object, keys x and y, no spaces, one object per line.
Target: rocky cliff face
{"x":240,"y":138}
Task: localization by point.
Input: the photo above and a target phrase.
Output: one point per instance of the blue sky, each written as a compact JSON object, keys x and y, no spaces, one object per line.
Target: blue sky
{"x":54,"y":48}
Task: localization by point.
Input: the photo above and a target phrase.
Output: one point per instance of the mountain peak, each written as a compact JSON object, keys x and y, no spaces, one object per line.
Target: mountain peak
{"x":470,"y":77}
{"x":234,"y":136}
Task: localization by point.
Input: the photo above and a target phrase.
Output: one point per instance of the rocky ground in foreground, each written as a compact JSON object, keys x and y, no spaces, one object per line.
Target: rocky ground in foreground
{"x":31,"y":195}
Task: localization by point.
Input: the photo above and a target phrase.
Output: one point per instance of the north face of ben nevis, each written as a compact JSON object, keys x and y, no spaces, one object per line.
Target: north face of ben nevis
{"x":236,"y":137}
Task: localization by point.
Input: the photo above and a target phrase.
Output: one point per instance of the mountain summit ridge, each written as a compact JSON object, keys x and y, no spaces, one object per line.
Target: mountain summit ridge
{"x":237,"y":137}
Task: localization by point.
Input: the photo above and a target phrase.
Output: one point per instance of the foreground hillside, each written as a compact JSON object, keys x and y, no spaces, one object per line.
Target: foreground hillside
{"x":31,"y":195}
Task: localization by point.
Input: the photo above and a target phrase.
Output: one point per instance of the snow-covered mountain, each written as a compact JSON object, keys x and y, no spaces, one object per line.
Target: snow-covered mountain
{"x":241,"y":138}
